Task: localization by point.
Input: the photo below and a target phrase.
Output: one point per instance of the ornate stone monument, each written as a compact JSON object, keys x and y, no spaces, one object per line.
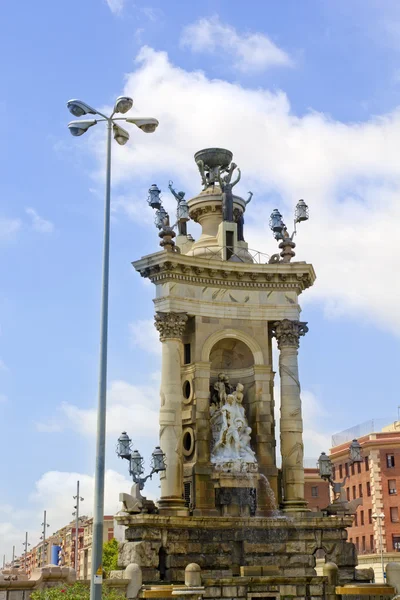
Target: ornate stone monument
{"x":217,"y":311}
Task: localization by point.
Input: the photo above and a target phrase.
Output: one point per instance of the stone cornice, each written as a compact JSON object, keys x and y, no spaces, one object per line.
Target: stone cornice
{"x":162,"y":267}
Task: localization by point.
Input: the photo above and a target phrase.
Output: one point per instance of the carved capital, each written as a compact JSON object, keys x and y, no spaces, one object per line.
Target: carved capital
{"x":170,"y":325}
{"x":288,"y":332}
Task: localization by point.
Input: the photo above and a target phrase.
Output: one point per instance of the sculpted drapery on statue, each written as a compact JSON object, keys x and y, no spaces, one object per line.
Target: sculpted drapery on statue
{"x":230,"y":430}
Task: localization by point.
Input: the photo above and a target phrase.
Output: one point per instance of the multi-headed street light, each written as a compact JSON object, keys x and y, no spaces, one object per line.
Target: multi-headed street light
{"x":77,"y":128}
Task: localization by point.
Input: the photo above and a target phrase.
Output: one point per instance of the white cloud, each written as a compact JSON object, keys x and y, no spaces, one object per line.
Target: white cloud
{"x":316,"y":421}
{"x":145,"y":336}
{"x":347,"y":173}
{"x":38,"y":223}
{"x":54,"y":493}
{"x":116,"y":6}
{"x":127,"y":403}
{"x":9,"y":228}
{"x":253,"y":52}
{"x":50,"y":426}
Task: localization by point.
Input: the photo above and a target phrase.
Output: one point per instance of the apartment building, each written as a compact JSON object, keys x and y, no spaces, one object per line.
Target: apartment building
{"x":316,"y":490}
{"x":85,"y":553}
{"x":377,"y":481}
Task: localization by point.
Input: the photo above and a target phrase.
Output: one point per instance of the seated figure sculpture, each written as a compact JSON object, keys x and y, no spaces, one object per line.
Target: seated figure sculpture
{"x":231,"y":432}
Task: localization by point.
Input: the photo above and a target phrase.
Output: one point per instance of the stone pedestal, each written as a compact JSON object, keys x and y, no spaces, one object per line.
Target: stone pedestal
{"x":221,"y":546}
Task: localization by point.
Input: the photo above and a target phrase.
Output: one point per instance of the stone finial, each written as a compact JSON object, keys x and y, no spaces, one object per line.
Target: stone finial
{"x":170,"y":325}
{"x":288,"y":332}
{"x":331,"y":571}
{"x":133,"y":572}
{"x":193,"y":575}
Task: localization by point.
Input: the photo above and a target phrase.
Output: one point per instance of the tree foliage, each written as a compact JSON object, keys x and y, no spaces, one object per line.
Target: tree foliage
{"x":75,"y":591}
{"x":110,"y":556}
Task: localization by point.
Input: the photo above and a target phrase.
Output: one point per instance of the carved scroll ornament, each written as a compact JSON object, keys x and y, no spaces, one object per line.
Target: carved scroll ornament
{"x":288,"y":332}
{"x":170,"y":325}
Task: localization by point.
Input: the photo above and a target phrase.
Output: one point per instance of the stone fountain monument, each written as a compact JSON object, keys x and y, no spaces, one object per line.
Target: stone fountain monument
{"x":224,"y":503}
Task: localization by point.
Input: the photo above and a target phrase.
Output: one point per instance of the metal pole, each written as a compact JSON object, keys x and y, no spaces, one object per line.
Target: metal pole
{"x":26,"y":551}
{"x":76,"y":528}
{"x":44,"y":539}
{"x":96,"y":581}
{"x":13,"y":558}
{"x":380,"y":535}
{"x":4,"y":561}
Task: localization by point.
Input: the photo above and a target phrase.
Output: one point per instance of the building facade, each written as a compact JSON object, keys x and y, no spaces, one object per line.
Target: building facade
{"x":316,"y":490}
{"x":376,"y":524}
{"x":60,"y":547}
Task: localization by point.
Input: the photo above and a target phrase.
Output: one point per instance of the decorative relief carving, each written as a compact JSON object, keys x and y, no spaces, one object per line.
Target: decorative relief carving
{"x":288,"y":332}
{"x":170,"y":325}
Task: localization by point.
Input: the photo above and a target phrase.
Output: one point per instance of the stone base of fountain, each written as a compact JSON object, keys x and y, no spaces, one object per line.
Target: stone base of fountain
{"x":163,"y":546}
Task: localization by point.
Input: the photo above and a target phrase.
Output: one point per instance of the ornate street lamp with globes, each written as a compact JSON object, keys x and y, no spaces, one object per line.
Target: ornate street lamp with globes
{"x":78,"y":108}
{"x":326,"y":471}
{"x":136,"y":462}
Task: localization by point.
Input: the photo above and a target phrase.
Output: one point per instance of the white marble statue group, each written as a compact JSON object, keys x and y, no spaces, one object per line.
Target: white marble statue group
{"x":230,"y":429}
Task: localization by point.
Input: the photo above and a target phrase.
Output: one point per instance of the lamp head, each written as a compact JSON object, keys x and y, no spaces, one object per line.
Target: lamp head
{"x":325,"y":466}
{"x":78,"y":128}
{"x":123,"y":104}
{"x":276,"y":224}
{"x":154,"y":199}
{"x":79,"y":108}
{"x":124,"y":446}
{"x":355,"y":453}
{"x":301,"y":212}
{"x":158,"y":460}
{"x":136,"y":464}
{"x":147,"y":125}
{"x":121,"y":136}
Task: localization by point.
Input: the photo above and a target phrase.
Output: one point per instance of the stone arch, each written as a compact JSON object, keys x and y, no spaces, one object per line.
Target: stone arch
{"x":215,"y":337}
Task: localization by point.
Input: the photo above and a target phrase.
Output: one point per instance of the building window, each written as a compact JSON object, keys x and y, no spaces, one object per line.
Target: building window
{"x":360,"y":492}
{"x":363,"y":547}
{"x":357,"y":543}
{"x":314,"y":491}
{"x":392,"y":486}
{"x":348,"y":493}
{"x":371,"y":543}
{"x":368,"y":488}
{"x":394,"y":514}
{"x":352,"y":468}
{"x":362,"y":517}
{"x":359,"y":467}
{"x":354,"y":492}
{"x":396,"y":542}
{"x":333,"y":473}
{"x":366,"y":460}
{"x":390,"y":461}
{"x":346,"y":469}
{"x":370,"y":516}
{"x":340,"y":471}
{"x":355,"y":520}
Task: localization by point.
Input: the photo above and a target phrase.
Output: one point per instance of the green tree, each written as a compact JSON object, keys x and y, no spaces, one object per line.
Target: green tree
{"x":110,"y":556}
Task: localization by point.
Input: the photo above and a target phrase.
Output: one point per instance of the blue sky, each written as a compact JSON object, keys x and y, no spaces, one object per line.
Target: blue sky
{"x":307,"y":97}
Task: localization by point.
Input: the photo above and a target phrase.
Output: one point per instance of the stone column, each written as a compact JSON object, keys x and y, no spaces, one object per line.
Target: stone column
{"x":171,"y":327}
{"x":287,"y":334}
